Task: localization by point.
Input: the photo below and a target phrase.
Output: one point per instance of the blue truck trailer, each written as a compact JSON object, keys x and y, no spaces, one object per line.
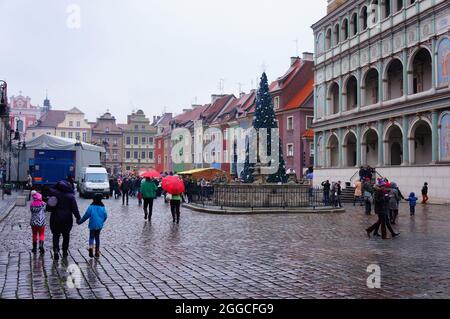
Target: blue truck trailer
{"x":51,"y":166}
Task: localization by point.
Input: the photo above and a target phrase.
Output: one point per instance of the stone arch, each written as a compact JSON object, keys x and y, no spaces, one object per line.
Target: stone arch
{"x":333,"y":145}
{"x":393,"y":144}
{"x":354,"y":26}
{"x":369,"y":146}
{"x":320,"y":43}
{"x":350,"y":148}
{"x":420,"y":70}
{"x":333,"y":98}
{"x":363,"y":18}
{"x":345,"y":30}
{"x":336,"y":34}
{"x":328,"y":39}
{"x":350,"y":92}
{"x":420,"y":141}
{"x":370,"y":86}
{"x":393,"y":79}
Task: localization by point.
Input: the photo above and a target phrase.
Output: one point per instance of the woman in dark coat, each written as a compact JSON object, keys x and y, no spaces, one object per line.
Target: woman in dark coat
{"x":61,"y":219}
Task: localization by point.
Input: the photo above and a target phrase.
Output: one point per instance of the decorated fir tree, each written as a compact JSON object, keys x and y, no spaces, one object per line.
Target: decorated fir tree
{"x":265,"y":119}
{"x":247,"y":173}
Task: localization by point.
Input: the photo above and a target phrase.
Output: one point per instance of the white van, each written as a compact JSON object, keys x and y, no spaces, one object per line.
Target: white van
{"x":94,"y":180}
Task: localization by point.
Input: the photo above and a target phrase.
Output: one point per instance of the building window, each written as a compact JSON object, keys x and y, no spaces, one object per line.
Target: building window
{"x":84,"y":137}
{"x":114,"y":156}
{"x":78,"y":136}
{"x":136,"y":140}
{"x":290,"y":150}
{"x":276,"y":102}
{"x":128,"y":168}
{"x":70,"y":134}
{"x":309,"y":122}
{"x":63,"y":134}
{"x":143,"y":155}
{"x":311,"y":149}
{"x":107,"y":130}
{"x":150,"y":140}
{"x":128,"y":155}
{"x":159,"y":144}
{"x":115,"y":142}
{"x":290,"y":123}
{"x":159,"y":159}
{"x":128,"y":140}
{"x":136,"y":155}
{"x":150,"y":155}
{"x":144,"y":140}
{"x":78,"y":124}
{"x":70,"y":123}
{"x":136,"y":127}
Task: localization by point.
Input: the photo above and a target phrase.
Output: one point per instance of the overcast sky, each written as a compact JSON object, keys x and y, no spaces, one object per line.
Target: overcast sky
{"x":151,"y":54}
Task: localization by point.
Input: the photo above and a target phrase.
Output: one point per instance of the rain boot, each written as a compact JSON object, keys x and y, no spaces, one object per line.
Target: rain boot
{"x":41,"y":247}
{"x":97,"y":252}
{"x":34,"y":250}
{"x":91,"y":252}
{"x":56,"y":255}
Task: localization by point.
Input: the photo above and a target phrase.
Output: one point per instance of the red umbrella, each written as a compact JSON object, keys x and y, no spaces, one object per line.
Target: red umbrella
{"x":151,"y":174}
{"x":173,"y":185}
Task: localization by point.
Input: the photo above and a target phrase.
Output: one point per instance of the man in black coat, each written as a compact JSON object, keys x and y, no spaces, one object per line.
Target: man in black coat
{"x":125,"y":188}
{"x":61,"y":219}
{"x":326,"y":192}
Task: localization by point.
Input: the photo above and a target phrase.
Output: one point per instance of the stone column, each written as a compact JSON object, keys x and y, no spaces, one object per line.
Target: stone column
{"x":315,"y":103}
{"x":405,"y":141}
{"x":358,"y":88}
{"x":405,"y":73}
{"x":341,"y":149}
{"x":341,"y":103}
{"x":435,"y":137}
{"x":380,"y":83}
{"x":380,"y":144}
{"x":358,"y":145}
{"x":316,"y":158}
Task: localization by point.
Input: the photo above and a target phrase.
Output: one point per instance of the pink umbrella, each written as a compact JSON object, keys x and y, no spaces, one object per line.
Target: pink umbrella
{"x":173,"y":185}
{"x":151,"y":174}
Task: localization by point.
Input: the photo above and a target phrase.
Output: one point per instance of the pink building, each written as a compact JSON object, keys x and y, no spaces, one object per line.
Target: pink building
{"x":294,"y":106}
{"x":24,"y":114}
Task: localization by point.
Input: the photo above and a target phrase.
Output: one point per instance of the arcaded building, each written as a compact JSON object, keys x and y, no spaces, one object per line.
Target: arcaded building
{"x":382,"y":92}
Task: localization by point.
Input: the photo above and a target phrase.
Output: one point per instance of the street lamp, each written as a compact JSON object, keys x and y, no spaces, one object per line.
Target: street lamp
{"x":16,"y":138}
{"x":20,"y":146}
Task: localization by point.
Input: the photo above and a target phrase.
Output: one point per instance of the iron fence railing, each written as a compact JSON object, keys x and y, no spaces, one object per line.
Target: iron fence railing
{"x":252,"y":196}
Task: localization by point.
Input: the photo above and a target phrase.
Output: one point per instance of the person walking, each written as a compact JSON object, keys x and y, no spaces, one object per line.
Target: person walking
{"x":148,"y":190}
{"x":175,"y":204}
{"x":394,"y":200}
{"x":358,"y":193}
{"x":412,"y":199}
{"x":125,"y":190}
{"x":425,"y":193}
{"x":97,"y":215}
{"x":368,"y":196}
{"x":326,"y":192}
{"x":38,"y":223}
{"x":61,"y":219}
{"x":381,"y":207}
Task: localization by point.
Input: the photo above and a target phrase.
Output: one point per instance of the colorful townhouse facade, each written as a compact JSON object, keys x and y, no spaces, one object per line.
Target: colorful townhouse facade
{"x":293,"y":100}
{"x":162,"y":125}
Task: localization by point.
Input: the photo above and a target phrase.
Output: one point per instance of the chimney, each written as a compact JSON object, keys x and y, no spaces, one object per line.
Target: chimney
{"x":186,"y":110}
{"x":215,"y":97}
{"x":294,"y":59}
{"x":194,"y":106}
{"x":242,"y":94}
{"x":307,"y":56}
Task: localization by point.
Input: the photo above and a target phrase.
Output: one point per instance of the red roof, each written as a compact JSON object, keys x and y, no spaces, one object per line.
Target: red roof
{"x":51,"y":119}
{"x":215,"y":108}
{"x":190,"y":116}
{"x":309,"y":134}
{"x":284,"y":80}
{"x":302,"y":96}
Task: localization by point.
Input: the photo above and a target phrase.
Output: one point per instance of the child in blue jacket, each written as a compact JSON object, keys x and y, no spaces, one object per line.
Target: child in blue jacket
{"x":96,"y":213}
{"x":412,"y":199}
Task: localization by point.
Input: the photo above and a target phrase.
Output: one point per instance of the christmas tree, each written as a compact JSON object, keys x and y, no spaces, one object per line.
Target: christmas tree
{"x":265,"y":119}
{"x":249,"y":168}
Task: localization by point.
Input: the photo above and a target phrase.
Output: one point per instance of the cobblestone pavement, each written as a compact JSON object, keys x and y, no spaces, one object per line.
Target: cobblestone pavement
{"x":214,"y":256}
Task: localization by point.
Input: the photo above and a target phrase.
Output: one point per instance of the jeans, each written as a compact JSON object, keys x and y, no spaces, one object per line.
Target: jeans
{"x":148,"y":207}
{"x":368,"y":206}
{"x":66,"y":241}
{"x":125,"y":194}
{"x":412,"y":210}
{"x":94,"y":235}
{"x":326,"y":197}
{"x":175,"y":209}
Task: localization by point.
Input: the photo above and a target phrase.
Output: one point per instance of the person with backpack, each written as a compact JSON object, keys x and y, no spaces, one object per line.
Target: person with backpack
{"x":97,"y":215}
{"x":326,"y":192}
{"x":125,"y":189}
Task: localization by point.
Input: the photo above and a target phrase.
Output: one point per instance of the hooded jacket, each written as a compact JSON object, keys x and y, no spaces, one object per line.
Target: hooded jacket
{"x":97,"y":216}
{"x":61,"y":219}
{"x":37,"y":209}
